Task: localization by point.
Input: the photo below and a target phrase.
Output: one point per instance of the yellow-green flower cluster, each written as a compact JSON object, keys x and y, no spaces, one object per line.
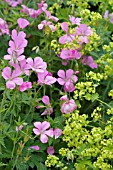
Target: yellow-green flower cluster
{"x":81,"y":4}
{"x":55,"y":46}
{"x":110,"y":2}
{"x":110,"y":111}
{"x":109,"y":47}
{"x":52,"y":160}
{"x":84,"y":14}
{"x":64,"y":151}
{"x":90,"y":18}
{"x":55,"y":6}
{"x":111,"y":93}
{"x":85,"y":141}
{"x":109,"y":68}
{"x":85,"y":90}
{"x":95,"y":76}
{"x":96,"y":114}
{"x":100,"y":164}
{"x":106,"y":64}
{"x":95,"y":17}
{"x":73,"y":130}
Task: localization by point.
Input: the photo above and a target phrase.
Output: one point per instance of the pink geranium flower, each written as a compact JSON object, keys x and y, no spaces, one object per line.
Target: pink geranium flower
{"x":67,"y":54}
{"x":41,"y":129}
{"x":25,"y":85}
{"x":49,"y":109}
{"x":16,"y":47}
{"x":111,"y":18}
{"x":47,"y":24}
{"x":46,"y":78}
{"x":57,"y":133}
{"x":88,"y":60}
{"x":25,"y":9}
{"x":50,"y":150}
{"x":29,"y":11}
{"x":67,"y":79}
{"x":3,"y":27}
{"x":83,"y":32}
{"x":13,"y":3}
{"x":74,"y":20}
{"x":106,"y":14}
{"x":67,"y":37}
{"x":49,"y":16}
{"x":42,"y":7}
{"x":36,"y":147}
{"x":12,"y":77}
{"x":23,"y":23}
{"x":37,"y":65}
{"x":23,"y":66}
{"x":67,"y":106}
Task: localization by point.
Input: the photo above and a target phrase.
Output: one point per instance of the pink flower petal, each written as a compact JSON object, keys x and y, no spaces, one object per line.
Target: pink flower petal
{"x":23,"y":23}
{"x":36,"y":131}
{"x":45,"y":100}
{"x":65,"y":98}
{"x":6,"y":73}
{"x":10,"y":84}
{"x":18,"y":81}
{"x":43,"y":138}
{"x":38,"y":125}
{"x":61,"y":81}
{"x":50,"y":150}
{"x":30,"y":61}
{"x":40,"y":26}
{"x":57,"y":133}
{"x":35,"y":147}
{"x":64,"y":26}
{"x":45,"y":125}
{"x":69,"y":72}
{"x":49,"y":80}
{"x":63,"y":39}
{"x":49,"y":132}
{"x":7,"y":57}
{"x":61,"y":74}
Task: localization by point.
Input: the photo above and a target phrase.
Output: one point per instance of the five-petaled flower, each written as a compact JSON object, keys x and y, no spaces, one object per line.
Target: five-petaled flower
{"x":46,"y":78}
{"x":83,"y":32}
{"x":16,"y":47}
{"x":67,"y":79}
{"x":45,"y":24}
{"x":88,"y":60}
{"x":38,"y":65}
{"x":12,"y":77}
{"x":41,"y":129}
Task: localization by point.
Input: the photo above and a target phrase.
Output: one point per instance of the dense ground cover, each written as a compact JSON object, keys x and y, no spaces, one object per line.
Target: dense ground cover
{"x":56,"y":85}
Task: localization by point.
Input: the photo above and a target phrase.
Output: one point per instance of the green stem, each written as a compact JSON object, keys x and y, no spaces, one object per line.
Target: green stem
{"x":44,"y":90}
{"x":104,"y":103}
{"x":2,"y":104}
{"x":8,"y":109}
{"x":11,"y":104}
{"x":13,"y":150}
{"x":106,"y":89}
